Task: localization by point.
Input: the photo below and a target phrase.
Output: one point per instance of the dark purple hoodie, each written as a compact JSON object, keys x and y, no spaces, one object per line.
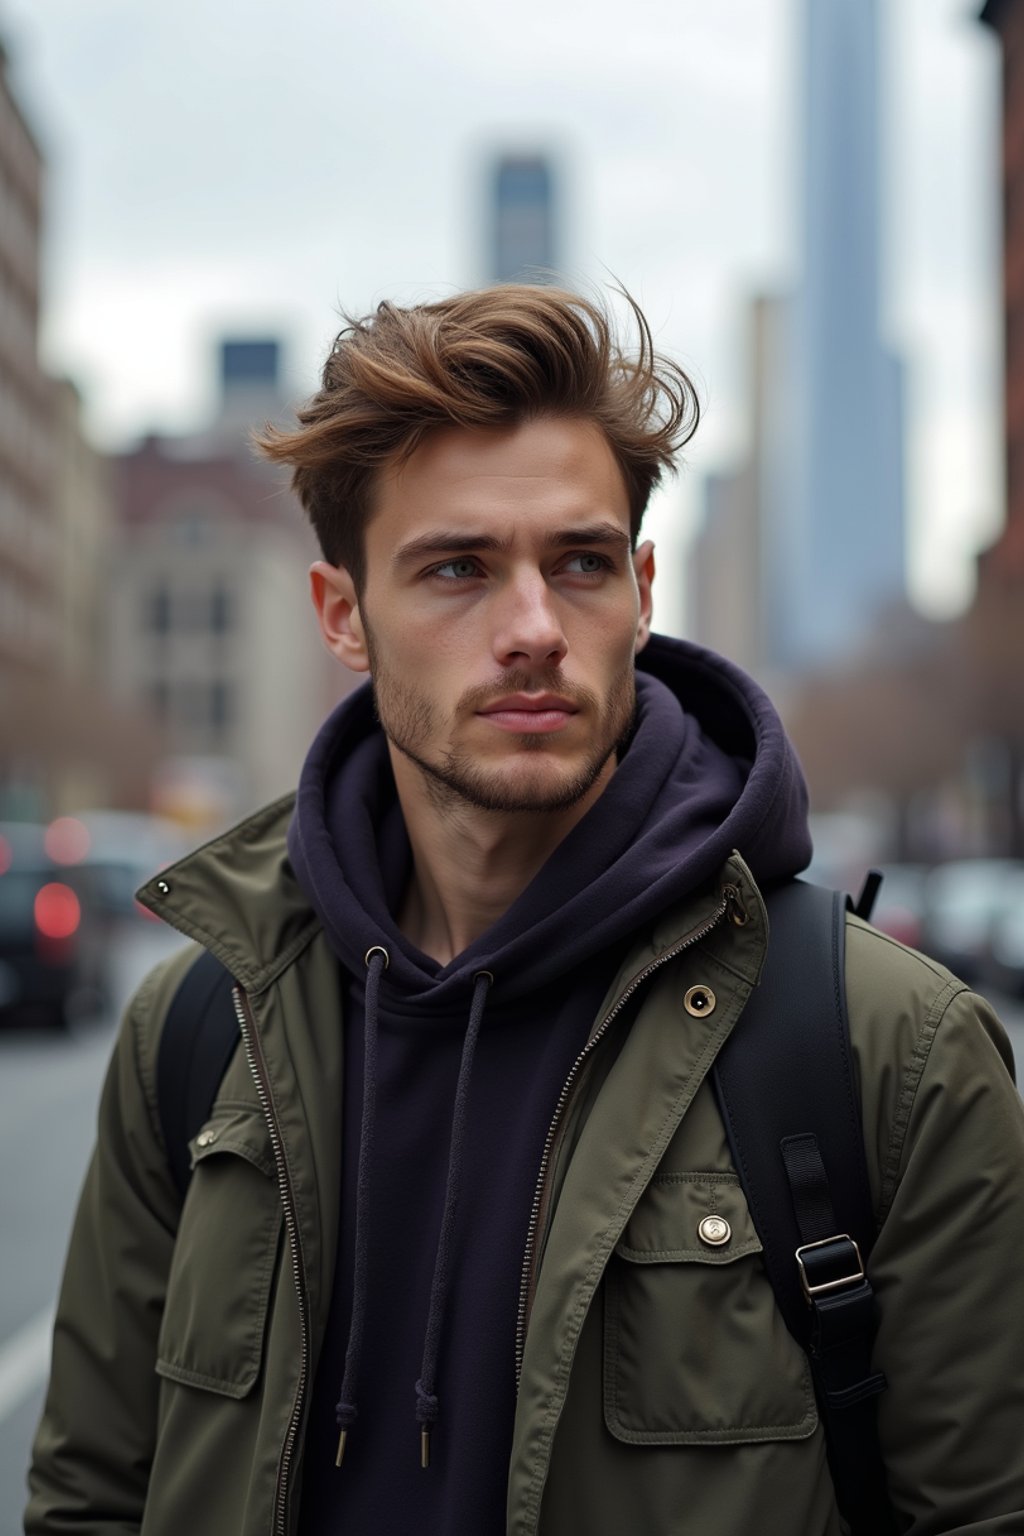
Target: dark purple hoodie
{"x":707,"y":770}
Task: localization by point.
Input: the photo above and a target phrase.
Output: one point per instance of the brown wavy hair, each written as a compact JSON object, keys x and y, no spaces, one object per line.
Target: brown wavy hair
{"x":487,"y":358}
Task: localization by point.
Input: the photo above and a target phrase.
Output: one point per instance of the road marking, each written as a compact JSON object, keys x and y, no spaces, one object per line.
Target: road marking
{"x":24,"y":1361}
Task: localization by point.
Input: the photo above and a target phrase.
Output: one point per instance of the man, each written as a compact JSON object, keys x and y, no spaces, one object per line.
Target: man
{"x":444,"y":1263}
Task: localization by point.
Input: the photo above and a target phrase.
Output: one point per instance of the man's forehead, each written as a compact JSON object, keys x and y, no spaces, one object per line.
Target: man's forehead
{"x":562,"y":466}
{"x":542,"y":448}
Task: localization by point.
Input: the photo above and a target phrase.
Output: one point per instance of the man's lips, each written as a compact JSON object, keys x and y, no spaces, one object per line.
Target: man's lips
{"x":530,"y":712}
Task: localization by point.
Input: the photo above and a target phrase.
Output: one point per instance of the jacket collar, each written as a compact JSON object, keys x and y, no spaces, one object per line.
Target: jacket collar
{"x":237,"y":896}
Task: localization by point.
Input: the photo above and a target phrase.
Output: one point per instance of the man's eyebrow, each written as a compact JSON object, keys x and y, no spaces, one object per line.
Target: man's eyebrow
{"x":592,"y":533}
{"x":442,"y":542}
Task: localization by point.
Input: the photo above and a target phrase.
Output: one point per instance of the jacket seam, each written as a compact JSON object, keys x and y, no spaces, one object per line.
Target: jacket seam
{"x":688,"y":1255}
{"x":145,"y":1060}
{"x":908,"y":1093}
{"x":258,"y":980}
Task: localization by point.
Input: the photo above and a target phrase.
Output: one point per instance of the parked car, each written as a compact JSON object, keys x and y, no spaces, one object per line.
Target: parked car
{"x":1005,"y":970}
{"x":965,"y":899}
{"x":121,"y":850}
{"x":52,"y":954}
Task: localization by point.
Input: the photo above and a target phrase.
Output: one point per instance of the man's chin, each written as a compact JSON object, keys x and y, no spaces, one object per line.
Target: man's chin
{"x":532,"y":782}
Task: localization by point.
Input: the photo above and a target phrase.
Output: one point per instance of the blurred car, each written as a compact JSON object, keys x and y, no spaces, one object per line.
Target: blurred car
{"x":52,"y":955}
{"x":120,"y":850}
{"x":964,"y":901}
{"x":1005,"y":968}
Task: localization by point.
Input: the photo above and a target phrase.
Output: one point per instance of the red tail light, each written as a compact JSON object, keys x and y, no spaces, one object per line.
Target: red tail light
{"x":66,"y":840}
{"x":57,"y":911}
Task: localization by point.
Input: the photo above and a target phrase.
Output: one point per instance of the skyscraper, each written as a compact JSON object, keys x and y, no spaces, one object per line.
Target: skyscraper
{"x":837,"y":536}
{"x":250,"y":383}
{"x":524,"y":244}
{"x":822,"y":499}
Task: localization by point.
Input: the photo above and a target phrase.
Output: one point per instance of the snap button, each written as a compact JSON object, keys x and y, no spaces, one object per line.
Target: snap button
{"x":699,"y":1001}
{"x":163,"y":888}
{"x":205,"y":1138}
{"x":715,"y":1231}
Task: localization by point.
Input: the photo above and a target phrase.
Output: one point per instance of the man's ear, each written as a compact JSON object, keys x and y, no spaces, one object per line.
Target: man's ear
{"x":643,"y":566}
{"x":337,"y":610}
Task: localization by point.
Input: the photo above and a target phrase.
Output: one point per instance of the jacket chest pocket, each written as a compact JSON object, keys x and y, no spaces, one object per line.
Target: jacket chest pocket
{"x":218,"y":1289}
{"x":695,"y":1350}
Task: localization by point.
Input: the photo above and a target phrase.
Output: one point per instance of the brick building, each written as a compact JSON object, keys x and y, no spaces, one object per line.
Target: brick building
{"x":994,"y":632}
{"x":210,"y":625}
{"x":62,"y":741}
{"x":28,"y":598}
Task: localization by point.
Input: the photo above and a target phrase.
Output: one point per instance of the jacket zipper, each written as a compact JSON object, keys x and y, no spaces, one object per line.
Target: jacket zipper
{"x":258,"y":1069}
{"x":730,"y":899}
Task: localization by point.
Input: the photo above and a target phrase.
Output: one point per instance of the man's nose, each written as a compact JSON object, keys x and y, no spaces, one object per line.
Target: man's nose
{"x":529,"y":629}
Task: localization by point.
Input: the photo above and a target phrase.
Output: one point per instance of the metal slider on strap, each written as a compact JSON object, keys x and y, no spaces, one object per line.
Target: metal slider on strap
{"x":821,"y":1287}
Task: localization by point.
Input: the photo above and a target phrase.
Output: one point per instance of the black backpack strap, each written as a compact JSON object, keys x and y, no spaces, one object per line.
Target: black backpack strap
{"x":788,"y":1096}
{"x":198,"y":1040}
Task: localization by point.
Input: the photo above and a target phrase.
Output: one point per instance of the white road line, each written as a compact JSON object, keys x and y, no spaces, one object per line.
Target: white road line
{"x":24,"y":1361}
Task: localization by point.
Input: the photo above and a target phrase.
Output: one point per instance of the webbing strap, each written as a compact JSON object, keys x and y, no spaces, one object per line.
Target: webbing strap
{"x":198,"y":1040}
{"x":808,"y":1185}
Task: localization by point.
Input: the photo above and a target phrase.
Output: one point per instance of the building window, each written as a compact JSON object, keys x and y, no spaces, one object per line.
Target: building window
{"x":160,"y":698}
{"x":190,"y":704}
{"x":221,"y":616}
{"x":158,"y":616}
{"x":222,"y":704}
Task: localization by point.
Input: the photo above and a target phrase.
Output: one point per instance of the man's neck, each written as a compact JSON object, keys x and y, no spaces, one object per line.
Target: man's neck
{"x":470,"y":865}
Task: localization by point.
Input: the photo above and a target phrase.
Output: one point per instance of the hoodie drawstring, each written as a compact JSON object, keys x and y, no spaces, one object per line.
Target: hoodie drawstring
{"x":426,"y":1398}
{"x":377,"y":961}
{"x":346,"y":1411}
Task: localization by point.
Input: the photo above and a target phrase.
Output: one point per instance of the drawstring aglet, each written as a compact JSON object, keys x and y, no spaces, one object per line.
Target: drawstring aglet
{"x":341,"y":1448}
{"x":425,"y":1445}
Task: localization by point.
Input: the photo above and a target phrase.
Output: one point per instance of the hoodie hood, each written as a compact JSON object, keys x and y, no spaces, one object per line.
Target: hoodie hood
{"x":708,"y":770}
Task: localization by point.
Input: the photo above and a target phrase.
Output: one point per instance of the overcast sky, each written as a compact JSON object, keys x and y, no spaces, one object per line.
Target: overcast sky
{"x":258,"y":167}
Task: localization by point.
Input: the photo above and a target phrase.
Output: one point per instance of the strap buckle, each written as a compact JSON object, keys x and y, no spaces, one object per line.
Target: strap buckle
{"x":814,"y":1287}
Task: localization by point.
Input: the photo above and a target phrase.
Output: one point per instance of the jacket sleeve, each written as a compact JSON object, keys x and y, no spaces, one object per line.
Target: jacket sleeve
{"x":947,"y":1270}
{"x":94,"y":1445}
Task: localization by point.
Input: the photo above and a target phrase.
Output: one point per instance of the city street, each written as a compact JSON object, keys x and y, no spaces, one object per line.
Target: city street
{"x":48,"y":1091}
{"x":49,"y":1088}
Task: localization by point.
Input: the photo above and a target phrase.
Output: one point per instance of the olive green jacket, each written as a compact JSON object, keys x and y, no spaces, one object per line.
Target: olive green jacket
{"x":659,"y":1390}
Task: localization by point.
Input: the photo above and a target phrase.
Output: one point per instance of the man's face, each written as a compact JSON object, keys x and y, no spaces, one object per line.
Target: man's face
{"x":501,"y":613}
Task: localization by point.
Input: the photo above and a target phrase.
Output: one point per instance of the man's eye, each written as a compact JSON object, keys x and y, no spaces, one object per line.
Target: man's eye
{"x":456,"y":570}
{"x":587,"y":564}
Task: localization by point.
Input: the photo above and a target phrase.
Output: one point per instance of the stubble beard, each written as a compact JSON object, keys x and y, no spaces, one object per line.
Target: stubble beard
{"x":452,"y":778}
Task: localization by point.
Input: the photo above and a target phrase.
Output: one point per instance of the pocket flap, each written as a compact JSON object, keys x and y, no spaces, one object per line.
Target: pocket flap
{"x":666,"y":1226}
{"x":240,"y":1129}
{"x":696,"y":1351}
{"x":225,"y":1254}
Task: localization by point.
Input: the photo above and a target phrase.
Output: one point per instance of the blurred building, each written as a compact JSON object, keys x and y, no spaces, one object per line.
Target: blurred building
{"x":727,"y":600}
{"x":838,"y":537}
{"x":209,"y":618}
{"x":524,"y":245}
{"x":82,"y":515}
{"x":29,"y":633}
{"x":819,"y":502}
{"x":250,"y":385}
{"x":927,"y":720}
{"x":994,"y":629}
{"x":61,"y":739}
